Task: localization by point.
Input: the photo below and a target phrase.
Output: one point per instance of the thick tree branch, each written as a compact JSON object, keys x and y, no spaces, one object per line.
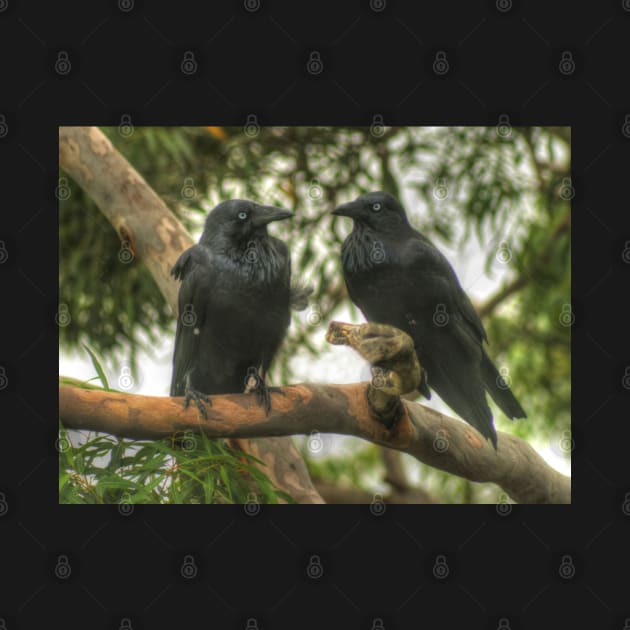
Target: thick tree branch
{"x":429,"y":436}
{"x":141,"y":219}
{"x":152,"y":232}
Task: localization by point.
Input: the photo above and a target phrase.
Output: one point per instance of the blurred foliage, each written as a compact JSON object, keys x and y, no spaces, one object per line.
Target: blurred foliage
{"x":509,"y":187}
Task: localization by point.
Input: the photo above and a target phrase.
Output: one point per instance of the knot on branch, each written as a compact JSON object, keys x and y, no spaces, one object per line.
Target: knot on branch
{"x":395,"y":367}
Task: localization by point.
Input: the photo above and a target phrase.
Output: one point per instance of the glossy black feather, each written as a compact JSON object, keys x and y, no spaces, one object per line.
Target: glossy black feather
{"x":233,"y":303}
{"x":396,"y":276}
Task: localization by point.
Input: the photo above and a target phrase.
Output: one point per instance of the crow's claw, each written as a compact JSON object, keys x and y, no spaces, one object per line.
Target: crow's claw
{"x":263,"y":394}
{"x":199,"y":399}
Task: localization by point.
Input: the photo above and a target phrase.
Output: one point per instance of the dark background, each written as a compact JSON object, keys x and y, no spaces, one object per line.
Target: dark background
{"x":503,"y":58}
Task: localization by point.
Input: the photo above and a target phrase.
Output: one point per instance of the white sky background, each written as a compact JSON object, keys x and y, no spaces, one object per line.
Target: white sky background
{"x":335,"y":364}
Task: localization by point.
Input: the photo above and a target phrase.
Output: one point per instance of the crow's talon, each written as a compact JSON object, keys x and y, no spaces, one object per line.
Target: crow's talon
{"x":263,"y":394}
{"x":199,"y":398}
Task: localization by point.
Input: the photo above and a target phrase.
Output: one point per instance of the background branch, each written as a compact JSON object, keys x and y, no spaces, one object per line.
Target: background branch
{"x":515,"y":285}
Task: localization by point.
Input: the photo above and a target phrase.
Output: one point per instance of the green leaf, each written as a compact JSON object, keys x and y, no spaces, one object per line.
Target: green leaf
{"x":97,"y":366}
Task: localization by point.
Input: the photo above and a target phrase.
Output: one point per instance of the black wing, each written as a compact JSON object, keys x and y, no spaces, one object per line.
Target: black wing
{"x":194,"y":269}
{"x":452,"y":353}
{"x":425,"y":258}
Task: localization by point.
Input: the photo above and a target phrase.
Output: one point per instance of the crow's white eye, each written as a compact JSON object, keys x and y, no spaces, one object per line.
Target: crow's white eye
{"x":242,"y":216}
{"x":376,"y":207}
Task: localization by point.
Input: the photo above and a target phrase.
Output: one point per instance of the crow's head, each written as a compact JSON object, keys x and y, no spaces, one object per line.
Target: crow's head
{"x":377,"y":210}
{"x":239,"y":220}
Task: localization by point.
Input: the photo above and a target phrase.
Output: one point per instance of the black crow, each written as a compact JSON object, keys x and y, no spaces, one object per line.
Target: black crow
{"x":233,"y":304}
{"x":396,"y":276}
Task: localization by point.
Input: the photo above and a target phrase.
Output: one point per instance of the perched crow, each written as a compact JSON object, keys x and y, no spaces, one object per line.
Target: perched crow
{"x":396,"y":276}
{"x":233,"y":304}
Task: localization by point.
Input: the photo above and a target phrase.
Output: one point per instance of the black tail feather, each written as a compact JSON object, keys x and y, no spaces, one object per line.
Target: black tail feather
{"x":499,"y":390}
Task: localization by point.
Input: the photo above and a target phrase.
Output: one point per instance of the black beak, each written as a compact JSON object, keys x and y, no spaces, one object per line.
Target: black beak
{"x":267,"y":214}
{"x":350,"y":209}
